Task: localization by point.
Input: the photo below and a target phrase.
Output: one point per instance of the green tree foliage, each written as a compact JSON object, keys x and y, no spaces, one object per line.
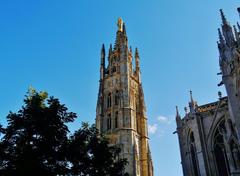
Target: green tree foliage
{"x":36,"y":142}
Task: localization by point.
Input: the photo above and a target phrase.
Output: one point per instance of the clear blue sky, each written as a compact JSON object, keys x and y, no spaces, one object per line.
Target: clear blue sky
{"x":55,"y":46}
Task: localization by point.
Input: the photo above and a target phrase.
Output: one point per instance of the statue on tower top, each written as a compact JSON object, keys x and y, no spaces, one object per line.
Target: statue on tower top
{"x":120,"y":24}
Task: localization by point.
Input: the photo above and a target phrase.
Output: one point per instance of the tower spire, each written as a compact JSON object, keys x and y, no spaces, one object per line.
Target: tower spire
{"x":124,"y":29}
{"x":121,"y":39}
{"x":178,"y":118}
{"x":102,"y":67}
{"x":109,"y":53}
{"x":227,"y":30}
{"x":177,"y":113}
{"x":224,"y":20}
{"x":137,"y":65}
{"x":192,"y":103}
{"x":130,"y":49}
{"x":119,"y":88}
{"x":137,"y":59}
{"x":103,"y":55}
{"x":238,"y":9}
{"x":191,"y":97}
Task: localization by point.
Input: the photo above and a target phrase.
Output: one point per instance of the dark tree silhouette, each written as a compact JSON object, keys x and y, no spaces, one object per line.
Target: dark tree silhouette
{"x":34,"y":139}
{"x":36,"y":143}
{"x":90,"y":154}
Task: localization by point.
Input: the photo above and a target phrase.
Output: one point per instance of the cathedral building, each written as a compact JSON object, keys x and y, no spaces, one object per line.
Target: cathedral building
{"x":121,"y":112}
{"x":209,"y":134}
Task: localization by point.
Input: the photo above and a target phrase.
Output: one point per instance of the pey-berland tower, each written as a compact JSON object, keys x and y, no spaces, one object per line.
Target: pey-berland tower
{"x":121,"y":111}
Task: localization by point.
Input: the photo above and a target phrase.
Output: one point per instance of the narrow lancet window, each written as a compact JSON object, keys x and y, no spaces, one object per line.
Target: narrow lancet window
{"x":117,"y":98}
{"x":109,"y":100}
{"x":220,"y":150}
{"x":116,"y":119}
{"x":109,"y":122}
{"x":193,"y":155}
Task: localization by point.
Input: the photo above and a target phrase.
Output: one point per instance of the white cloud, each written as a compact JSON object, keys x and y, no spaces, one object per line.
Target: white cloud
{"x":164,"y":120}
{"x":161,"y":133}
{"x":152,"y":129}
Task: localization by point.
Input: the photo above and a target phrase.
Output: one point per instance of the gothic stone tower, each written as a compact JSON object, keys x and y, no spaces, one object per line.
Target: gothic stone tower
{"x":229,"y":60}
{"x":120,"y":113}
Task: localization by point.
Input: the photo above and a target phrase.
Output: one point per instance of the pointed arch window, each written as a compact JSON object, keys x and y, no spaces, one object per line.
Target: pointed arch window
{"x":193,"y":154}
{"x":219,"y":149}
{"x":116,"y":119}
{"x":235,"y":154}
{"x":109,"y":100}
{"x":109,"y":122}
{"x":116,"y":102}
{"x":114,"y":69}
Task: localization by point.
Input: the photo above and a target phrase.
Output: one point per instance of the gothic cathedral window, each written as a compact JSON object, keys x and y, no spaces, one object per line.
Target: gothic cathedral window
{"x":109,"y":100}
{"x":220,"y":149}
{"x":116,"y":119}
{"x":114,"y":69}
{"x":193,"y":154}
{"x":235,"y":154}
{"x":109,"y":122}
{"x":117,"y":98}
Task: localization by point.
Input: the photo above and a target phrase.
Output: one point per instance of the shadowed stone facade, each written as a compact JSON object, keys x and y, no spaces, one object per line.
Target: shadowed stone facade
{"x":121,"y":112}
{"x":209,"y":134}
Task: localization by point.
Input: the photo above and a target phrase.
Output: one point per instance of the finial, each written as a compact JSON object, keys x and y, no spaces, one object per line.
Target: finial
{"x":185,"y":109}
{"x":110,"y":49}
{"x":137,"y":65}
{"x":192,"y":103}
{"x":109,"y":52}
{"x":124,"y":28}
{"x":191,"y":97}
{"x":120,"y":24}
{"x":177,"y":112}
{"x":219,"y":94}
{"x":224,"y":20}
{"x":103,"y":51}
{"x":136,"y":53}
{"x":103,"y":56}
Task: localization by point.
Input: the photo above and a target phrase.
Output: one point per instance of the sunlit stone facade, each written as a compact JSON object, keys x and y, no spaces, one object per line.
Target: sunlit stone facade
{"x":121,"y":112}
{"x":209,"y":134}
